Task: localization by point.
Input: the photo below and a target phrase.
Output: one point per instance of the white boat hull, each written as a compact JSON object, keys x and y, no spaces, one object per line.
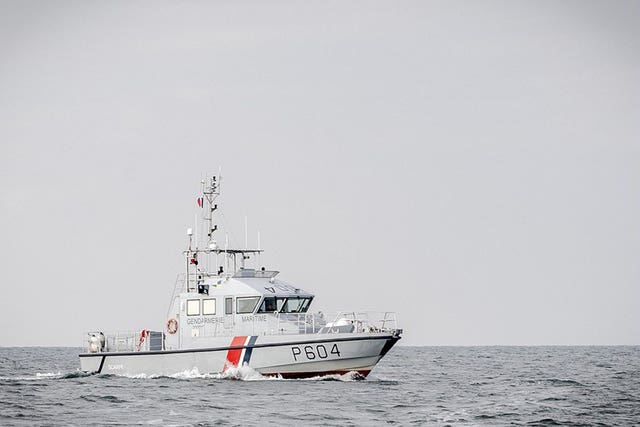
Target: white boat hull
{"x":295,"y":356}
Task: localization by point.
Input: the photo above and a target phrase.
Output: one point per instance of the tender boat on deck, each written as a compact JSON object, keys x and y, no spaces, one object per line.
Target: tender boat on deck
{"x":233,"y":315}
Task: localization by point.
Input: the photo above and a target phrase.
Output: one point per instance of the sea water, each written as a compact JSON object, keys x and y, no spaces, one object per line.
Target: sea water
{"x":411,"y":385}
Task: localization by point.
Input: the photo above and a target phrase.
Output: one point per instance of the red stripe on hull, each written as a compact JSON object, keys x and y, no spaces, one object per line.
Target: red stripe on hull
{"x":233,"y":355}
{"x":291,"y":375}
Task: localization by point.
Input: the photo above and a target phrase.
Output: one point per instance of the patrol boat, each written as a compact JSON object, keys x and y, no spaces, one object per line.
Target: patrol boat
{"x":225,"y":314}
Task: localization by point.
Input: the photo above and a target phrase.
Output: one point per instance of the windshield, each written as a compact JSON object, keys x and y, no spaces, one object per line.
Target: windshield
{"x":284,"y":305}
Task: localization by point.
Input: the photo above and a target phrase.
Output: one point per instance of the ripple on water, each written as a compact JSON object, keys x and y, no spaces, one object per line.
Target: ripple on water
{"x":564,"y":382}
{"x":99,"y":398}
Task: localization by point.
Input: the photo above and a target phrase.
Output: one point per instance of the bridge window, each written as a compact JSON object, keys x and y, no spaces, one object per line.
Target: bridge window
{"x":296,"y":305}
{"x":268,"y":305}
{"x":209,"y":307}
{"x":228,"y":306}
{"x":305,"y":305}
{"x":193,"y":307}
{"x":284,"y":305}
{"x":246,"y":304}
{"x":293,"y":305}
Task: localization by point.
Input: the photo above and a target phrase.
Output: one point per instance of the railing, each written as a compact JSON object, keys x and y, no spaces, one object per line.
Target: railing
{"x":363,"y":321}
{"x":260,"y":324}
{"x":125,"y":341}
{"x":120,"y":341}
{"x":177,"y":288}
{"x":299,"y":323}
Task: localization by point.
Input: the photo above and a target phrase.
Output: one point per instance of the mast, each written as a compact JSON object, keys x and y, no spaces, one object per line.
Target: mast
{"x":188,"y":259}
{"x":211,"y":192}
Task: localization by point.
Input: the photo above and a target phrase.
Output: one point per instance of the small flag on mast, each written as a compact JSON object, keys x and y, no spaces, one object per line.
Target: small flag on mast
{"x":200,"y":202}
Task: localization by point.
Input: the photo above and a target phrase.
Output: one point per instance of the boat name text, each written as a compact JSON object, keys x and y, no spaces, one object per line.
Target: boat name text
{"x":312,"y":352}
{"x":255,"y":318}
{"x":201,"y":320}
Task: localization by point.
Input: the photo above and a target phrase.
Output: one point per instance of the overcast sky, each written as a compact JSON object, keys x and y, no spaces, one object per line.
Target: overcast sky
{"x":473,"y":166}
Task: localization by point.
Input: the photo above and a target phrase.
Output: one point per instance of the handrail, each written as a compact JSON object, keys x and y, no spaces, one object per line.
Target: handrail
{"x":367,"y":321}
{"x":179,"y":283}
{"x":275,"y":324}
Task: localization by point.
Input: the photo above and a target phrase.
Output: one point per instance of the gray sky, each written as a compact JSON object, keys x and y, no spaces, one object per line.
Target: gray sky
{"x":473,"y":166}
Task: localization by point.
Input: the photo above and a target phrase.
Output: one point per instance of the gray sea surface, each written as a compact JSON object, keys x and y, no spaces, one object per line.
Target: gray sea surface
{"x":411,"y":385}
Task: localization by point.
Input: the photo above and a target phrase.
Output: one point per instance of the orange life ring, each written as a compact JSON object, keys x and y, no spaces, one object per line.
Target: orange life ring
{"x":172,"y":326}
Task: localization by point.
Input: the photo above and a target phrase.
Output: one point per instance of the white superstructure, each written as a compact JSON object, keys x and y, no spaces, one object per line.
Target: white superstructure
{"x":226,"y":313}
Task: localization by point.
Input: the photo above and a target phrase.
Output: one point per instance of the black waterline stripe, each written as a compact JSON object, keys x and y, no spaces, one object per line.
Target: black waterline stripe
{"x":201,"y":350}
{"x":101,"y":364}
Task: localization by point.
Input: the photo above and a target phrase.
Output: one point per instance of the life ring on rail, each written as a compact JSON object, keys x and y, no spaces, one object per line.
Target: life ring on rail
{"x":172,"y":326}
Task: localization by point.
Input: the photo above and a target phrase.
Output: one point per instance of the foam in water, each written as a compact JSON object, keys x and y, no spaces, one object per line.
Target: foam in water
{"x":246,"y":373}
{"x":346,"y":377}
{"x":49,"y":376}
{"x":36,"y":377}
{"x":241,"y":373}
